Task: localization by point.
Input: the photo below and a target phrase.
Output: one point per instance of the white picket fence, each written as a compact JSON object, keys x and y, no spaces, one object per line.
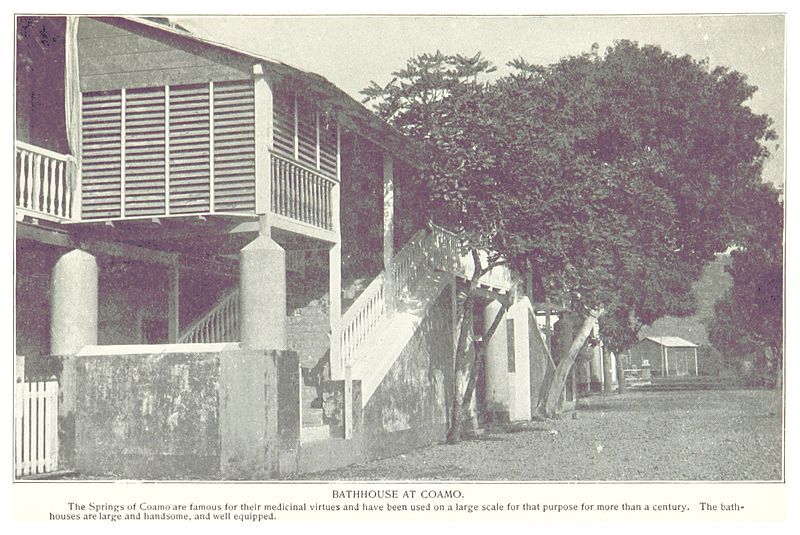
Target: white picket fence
{"x":35,"y":424}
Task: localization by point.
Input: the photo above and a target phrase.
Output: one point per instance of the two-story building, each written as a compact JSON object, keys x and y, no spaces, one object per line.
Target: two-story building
{"x":214,"y":262}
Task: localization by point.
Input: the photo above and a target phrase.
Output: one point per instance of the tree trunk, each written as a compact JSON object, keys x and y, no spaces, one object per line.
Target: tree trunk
{"x":567,"y":361}
{"x":480,"y":355}
{"x":456,"y":420}
{"x":459,"y":411}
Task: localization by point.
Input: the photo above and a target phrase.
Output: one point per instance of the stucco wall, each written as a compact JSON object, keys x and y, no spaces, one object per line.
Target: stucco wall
{"x":409,"y":408}
{"x":224,"y":413}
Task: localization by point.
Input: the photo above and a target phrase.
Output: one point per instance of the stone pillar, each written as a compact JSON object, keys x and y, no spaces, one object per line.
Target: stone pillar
{"x":496,"y":366}
{"x":73,"y":303}
{"x":262,"y":288}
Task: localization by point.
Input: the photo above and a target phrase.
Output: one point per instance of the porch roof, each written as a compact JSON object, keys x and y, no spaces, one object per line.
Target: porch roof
{"x":352,"y":114}
{"x":671,"y":341}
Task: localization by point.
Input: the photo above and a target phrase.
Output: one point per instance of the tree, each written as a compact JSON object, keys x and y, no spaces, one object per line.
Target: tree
{"x":639,"y":165}
{"x":616,"y":177}
{"x":748,"y":320}
{"x":444,"y":103}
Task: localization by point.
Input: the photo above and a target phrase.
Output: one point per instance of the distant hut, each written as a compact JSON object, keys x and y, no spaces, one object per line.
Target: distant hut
{"x":666,"y":355}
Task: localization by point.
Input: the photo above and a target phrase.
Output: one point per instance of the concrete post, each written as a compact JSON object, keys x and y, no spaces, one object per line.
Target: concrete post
{"x":73,"y":304}
{"x":262,"y":287}
{"x":496,"y":370}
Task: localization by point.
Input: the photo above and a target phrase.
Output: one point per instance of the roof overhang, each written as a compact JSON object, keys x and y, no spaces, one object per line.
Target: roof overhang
{"x":352,"y":114}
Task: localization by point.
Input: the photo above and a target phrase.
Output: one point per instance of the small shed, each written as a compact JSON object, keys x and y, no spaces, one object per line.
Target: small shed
{"x":666,"y":355}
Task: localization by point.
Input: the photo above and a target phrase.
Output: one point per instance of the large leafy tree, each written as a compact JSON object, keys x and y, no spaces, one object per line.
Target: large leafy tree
{"x":639,"y":166}
{"x":614,"y":177}
{"x":748,"y":320}
{"x":444,"y":102}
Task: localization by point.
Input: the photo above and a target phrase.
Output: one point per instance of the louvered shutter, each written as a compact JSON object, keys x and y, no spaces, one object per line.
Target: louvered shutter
{"x":189,"y":149}
{"x":156,"y":146}
{"x":283,"y":120}
{"x":306,"y":133}
{"x":327,"y":147}
{"x":101,"y":168}
{"x":234,"y":147}
{"x":145,"y":152}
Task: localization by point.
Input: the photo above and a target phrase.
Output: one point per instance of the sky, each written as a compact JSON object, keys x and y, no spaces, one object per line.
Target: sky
{"x":350,"y":51}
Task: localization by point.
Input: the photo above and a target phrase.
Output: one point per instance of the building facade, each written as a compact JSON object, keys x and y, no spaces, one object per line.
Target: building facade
{"x":210,"y":264}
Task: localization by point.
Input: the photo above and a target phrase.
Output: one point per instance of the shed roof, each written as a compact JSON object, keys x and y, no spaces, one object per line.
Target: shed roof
{"x":352,"y":112}
{"x":671,"y":341}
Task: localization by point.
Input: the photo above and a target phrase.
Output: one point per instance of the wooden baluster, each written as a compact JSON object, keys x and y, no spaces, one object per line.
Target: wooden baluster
{"x":52,"y":176}
{"x":28,"y":180}
{"x":58,"y":191}
{"x":302,"y":197}
{"x":318,"y":202}
{"x":292,"y":192}
{"x":45,"y":183}
{"x":289,"y":190}
{"x":312,"y":199}
{"x":309,"y":198}
{"x":284,"y":200}
{"x":68,"y":189}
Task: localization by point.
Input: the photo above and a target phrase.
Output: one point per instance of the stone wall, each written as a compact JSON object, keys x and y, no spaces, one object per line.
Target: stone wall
{"x":212,"y":414}
{"x":409,"y":408}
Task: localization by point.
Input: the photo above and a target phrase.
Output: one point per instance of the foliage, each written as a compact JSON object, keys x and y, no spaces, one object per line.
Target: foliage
{"x":748,"y":321}
{"x":616,"y":177}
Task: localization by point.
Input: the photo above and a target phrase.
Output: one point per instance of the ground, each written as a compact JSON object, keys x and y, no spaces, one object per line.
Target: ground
{"x":652,"y":436}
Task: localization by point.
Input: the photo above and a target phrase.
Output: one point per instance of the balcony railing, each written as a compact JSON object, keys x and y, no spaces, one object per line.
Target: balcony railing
{"x":300,"y":193}
{"x":44,"y":182}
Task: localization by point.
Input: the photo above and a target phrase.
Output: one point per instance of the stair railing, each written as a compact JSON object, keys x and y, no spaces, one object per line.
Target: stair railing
{"x":220,"y":324}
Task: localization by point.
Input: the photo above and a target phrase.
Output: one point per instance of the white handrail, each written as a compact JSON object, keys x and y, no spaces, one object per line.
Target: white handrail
{"x":361,"y":317}
{"x":220,"y":324}
{"x":44,"y":152}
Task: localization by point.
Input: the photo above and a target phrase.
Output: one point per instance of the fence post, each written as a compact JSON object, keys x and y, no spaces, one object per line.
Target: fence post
{"x":19,"y":384}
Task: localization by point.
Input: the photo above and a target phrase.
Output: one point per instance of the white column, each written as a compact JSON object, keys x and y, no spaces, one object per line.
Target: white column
{"x":496,"y":365}
{"x":264,"y":139}
{"x":262,"y":287}
{"x":73,"y":303}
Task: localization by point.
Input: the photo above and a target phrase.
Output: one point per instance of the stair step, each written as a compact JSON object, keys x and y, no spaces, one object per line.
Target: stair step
{"x":314,"y":433}
{"x":312,"y":417}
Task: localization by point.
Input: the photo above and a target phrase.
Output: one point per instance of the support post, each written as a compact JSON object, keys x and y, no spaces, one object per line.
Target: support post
{"x":74,"y":302}
{"x":496,"y":366}
{"x":262,"y":288}
{"x":173,"y":315}
{"x":264,"y":139}
{"x":388,"y":232}
{"x":335,"y":302}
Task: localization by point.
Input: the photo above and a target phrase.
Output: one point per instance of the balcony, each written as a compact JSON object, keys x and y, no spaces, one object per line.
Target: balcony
{"x":45,"y":185}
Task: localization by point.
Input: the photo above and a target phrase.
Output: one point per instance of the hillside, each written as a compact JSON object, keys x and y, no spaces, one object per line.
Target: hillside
{"x":713,"y":283}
